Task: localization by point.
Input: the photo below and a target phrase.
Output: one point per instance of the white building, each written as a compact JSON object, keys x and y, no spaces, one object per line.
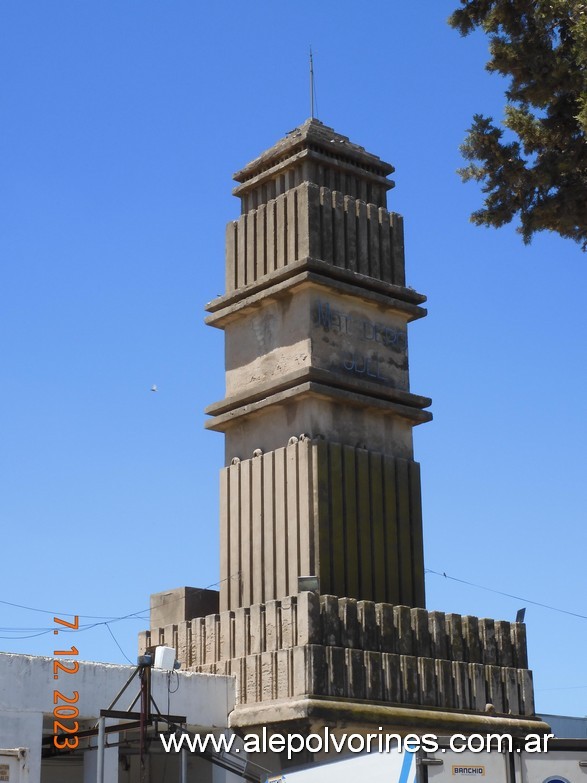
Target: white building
{"x":28,"y":709}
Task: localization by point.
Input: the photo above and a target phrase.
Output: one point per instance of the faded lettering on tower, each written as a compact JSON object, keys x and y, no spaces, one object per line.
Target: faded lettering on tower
{"x":365,"y":347}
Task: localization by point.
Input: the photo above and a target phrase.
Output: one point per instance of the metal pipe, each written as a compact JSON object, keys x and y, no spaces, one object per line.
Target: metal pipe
{"x":124,"y":687}
{"x":184,"y":766}
{"x":101,"y":746}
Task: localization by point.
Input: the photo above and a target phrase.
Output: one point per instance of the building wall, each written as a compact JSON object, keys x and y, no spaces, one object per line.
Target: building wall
{"x":27,"y":688}
{"x":567,"y":726}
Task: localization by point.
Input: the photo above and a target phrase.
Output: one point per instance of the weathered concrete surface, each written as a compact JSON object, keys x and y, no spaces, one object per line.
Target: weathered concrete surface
{"x":346,"y":514}
{"x":312,"y":221}
{"x":309,"y":330}
{"x":182,"y":603}
{"x":313,"y":714}
{"x":318,"y":410}
{"x":330,"y":647}
{"x":312,"y":326}
{"x":315,"y":152}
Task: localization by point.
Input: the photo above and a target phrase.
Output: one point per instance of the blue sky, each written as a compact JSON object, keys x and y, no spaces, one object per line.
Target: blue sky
{"x":122,"y":123}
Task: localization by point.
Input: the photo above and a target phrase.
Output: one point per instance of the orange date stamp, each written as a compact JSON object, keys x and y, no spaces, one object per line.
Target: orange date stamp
{"x":65,"y":712}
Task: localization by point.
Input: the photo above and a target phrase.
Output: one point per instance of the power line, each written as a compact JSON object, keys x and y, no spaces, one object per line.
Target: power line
{"x":104,"y":620}
{"x":507,"y":595}
{"x":80,"y":629}
{"x":40,"y":631}
{"x":66,"y":614}
{"x":28,"y":636}
{"x":117,"y":644}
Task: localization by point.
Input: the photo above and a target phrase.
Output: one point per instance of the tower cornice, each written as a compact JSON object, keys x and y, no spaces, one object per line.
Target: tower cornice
{"x":318,"y":155}
{"x":313,"y":135}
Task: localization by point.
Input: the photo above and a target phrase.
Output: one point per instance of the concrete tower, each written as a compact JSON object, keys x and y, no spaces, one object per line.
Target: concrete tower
{"x":318,"y":416}
{"x":320,"y":478}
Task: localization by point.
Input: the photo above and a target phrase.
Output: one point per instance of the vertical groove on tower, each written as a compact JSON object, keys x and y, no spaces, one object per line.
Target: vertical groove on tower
{"x":350,"y":507}
{"x":257,"y":530}
{"x":377,"y":523}
{"x":417,"y":535}
{"x":281,"y":560}
{"x":268,"y":522}
{"x":292,"y":518}
{"x":337,"y":520}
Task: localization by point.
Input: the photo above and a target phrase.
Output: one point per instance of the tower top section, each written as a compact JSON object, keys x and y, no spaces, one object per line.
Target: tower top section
{"x":315,"y":153}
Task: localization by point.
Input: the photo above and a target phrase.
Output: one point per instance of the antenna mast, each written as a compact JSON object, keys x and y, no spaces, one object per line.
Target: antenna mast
{"x":311,"y":84}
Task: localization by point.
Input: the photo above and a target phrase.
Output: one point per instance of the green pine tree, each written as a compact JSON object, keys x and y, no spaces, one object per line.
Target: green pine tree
{"x":538,"y":171}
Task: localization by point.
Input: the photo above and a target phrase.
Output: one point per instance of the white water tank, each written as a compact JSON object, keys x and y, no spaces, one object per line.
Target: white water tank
{"x":164,"y":658}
